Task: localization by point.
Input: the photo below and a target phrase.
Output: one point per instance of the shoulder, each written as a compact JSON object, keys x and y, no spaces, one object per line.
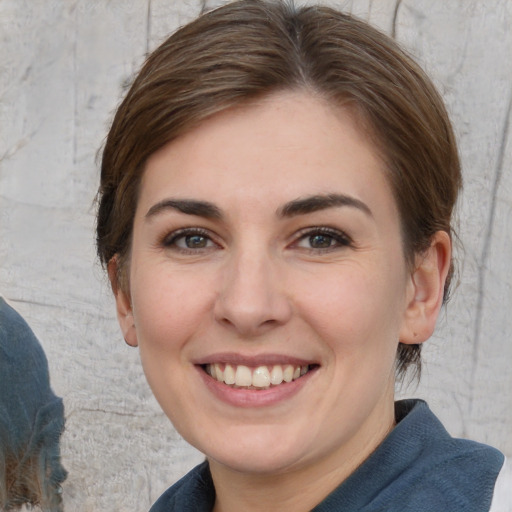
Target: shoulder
{"x":445,"y":473}
{"x":193,"y":493}
{"x":15,"y":333}
{"x":455,"y":475}
{"x":419,"y":467}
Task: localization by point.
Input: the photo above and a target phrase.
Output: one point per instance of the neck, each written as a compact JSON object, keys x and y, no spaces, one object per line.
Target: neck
{"x":296,"y":489}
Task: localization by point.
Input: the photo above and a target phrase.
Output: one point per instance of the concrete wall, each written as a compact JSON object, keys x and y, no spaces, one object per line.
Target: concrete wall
{"x":62,"y":69}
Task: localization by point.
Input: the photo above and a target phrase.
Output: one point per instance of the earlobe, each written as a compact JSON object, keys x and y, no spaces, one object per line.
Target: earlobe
{"x":123,"y":304}
{"x":426,"y":290}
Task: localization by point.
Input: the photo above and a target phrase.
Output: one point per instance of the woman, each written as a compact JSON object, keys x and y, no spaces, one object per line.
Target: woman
{"x":31,"y":420}
{"x":274,"y":213}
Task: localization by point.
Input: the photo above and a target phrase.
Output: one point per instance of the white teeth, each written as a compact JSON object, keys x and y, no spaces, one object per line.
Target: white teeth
{"x":288,"y":373}
{"x":276,"y":375}
{"x":260,"y":377}
{"x":229,"y":375}
{"x":218,"y":373}
{"x":243,"y":376}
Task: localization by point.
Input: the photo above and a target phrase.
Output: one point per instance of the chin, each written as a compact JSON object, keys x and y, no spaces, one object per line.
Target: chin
{"x":257,"y":454}
{"x":256,"y":464}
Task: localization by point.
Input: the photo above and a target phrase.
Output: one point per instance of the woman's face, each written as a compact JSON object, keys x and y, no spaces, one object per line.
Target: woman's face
{"x":268,"y":286}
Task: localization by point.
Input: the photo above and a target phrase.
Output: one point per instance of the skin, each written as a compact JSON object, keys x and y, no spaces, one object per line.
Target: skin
{"x":261,"y":283}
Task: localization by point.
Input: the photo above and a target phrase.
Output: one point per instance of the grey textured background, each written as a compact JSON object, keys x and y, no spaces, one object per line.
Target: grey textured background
{"x":62,"y":69}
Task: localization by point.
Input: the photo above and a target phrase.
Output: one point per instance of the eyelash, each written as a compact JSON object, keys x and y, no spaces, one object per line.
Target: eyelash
{"x":170,"y":240}
{"x":339,"y":238}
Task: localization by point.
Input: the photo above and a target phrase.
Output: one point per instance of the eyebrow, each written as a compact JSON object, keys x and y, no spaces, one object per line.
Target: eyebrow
{"x":301,"y":206}
{"x":316,"y":203}
{"x":187,"y":206}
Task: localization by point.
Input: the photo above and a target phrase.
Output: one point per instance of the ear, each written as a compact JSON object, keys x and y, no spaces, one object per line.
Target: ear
{"x":123,"y":302}
{"x":426,"y":290}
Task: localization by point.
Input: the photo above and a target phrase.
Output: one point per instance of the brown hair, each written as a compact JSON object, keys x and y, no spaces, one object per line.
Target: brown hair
{"x":31,"y":483}
{"x":251,"y":48}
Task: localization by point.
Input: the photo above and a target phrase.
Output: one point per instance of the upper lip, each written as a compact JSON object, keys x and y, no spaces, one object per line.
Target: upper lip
{"x":253,"y":360}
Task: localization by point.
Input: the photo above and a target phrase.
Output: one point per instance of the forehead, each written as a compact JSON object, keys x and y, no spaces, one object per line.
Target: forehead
{"x":272,"y":150}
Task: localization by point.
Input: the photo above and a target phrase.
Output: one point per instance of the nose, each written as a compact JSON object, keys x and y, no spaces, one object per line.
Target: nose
{"x":251,"y":299}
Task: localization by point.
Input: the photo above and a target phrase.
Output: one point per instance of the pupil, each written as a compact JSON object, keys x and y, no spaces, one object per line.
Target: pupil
{"x":320,"y":241}
{"x":195,"y":241}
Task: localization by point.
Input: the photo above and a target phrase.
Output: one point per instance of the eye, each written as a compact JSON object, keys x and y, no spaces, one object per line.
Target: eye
{"x":189,"y":240}
{"x":192,"y":242}
{"x":322,"y":239}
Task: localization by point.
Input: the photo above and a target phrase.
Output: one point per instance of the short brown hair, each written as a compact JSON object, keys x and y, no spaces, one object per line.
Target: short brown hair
{"x":251,"y":48}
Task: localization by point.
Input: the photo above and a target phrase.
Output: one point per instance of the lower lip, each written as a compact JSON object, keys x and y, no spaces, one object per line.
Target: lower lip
{"x":240,"y":397}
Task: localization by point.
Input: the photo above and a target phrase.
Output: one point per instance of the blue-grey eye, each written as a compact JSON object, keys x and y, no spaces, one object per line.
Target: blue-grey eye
{"x":194,"y":241}
{"x":189,"y":239}
{"x":321,"y":241}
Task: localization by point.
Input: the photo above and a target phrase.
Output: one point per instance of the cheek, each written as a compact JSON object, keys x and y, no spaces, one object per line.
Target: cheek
{"x":167,"y":315}
{"x":168,"y":307}
{"x":355,"y":310}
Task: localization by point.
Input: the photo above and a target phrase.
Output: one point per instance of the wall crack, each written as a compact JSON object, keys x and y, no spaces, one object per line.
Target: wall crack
{"x":395,"y":18}
{"x":484,"y":257}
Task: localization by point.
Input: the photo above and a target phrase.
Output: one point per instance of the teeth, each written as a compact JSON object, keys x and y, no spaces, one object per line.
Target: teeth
{"x":261,"y":377}
{"x":229,"y":375}
{"x":276,"y":375}
{"x":217,"y":373}
{"x":288,"y":373}
{"x":243,"y":376}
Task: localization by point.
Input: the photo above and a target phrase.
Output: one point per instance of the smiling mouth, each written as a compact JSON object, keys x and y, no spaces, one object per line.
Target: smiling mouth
{"x":261,"y":377}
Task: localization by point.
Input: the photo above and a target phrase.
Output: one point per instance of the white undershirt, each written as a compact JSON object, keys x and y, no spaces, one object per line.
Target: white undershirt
{"x":502,"y":498}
